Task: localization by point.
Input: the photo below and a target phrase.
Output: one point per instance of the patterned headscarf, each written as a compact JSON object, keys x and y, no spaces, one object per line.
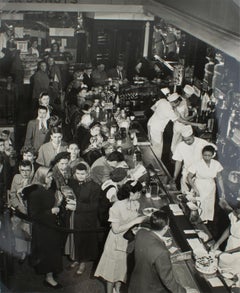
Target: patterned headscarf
{"x":40,"y":175}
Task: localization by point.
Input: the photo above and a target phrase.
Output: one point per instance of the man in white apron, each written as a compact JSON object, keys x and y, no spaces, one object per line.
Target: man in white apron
{"x":187,"y":153}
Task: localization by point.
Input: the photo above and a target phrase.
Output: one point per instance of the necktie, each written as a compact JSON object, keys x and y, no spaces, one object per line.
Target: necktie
{"x":43,"y":128}
{"x":119,"y":74}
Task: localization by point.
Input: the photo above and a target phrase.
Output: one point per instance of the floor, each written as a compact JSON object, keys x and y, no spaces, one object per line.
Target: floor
{"x":26,"y":280}
{"x":22,"y":278}
{"x":16,"y":277}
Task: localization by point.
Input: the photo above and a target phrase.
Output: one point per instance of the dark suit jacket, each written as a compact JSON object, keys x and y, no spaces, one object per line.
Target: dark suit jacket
{"x":153,"y":269}
{"x":88,"y":81}
{"x":34,"y":136}
{"x":113,"y":73}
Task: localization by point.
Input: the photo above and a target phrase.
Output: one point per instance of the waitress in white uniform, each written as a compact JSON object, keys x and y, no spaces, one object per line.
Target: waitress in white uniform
{"x":205,"y":171}
{"x":230,"y":262}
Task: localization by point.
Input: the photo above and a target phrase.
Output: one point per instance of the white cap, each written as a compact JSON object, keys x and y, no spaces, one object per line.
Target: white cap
{"x":187,"y":131}
{"x":173,"y":97}
{"x":189,"y":90}
{"x":165,"y":91}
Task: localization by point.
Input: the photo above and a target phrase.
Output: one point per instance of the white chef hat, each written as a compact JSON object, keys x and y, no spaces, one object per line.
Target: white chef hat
{"x":189,"y":90}
{"x":187,"y":131}
{"x":165,"y":91}
{"x":173,"y":97}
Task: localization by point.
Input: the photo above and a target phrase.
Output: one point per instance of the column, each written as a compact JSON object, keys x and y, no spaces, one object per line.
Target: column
{"x":146,"y":39}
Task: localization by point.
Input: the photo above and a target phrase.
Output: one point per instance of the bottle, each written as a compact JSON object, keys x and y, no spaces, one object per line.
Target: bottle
{"x":148,"y":192}
{"x":117,"y":113}
{"x":117,"y":100}
{"x":144,"y":188}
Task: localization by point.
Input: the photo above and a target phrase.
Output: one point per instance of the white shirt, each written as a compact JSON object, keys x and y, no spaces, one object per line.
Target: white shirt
{"x":162,"y":115}
{"x":44,"y":121}
{"x":112,"y":192}
{"x":190,"y":154}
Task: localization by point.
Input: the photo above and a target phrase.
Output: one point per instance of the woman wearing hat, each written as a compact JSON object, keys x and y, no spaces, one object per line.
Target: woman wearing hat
{"x":61,"y":169}
{"x":109,"y":193}
{"x":87,"y":195}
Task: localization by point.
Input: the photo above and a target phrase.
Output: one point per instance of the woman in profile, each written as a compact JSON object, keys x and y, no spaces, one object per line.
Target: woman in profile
{"x":46,"y":239}
{"x":123,"y":215}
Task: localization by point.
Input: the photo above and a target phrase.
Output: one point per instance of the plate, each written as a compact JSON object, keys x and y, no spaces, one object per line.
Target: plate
{"x":148,"y":211}
{"x":228,"y":275}
{"x":207,"y":264}
{"x":207,"y":272}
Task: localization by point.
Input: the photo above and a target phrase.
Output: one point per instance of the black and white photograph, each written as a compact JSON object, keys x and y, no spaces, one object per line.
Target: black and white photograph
{"x":120,"y":146}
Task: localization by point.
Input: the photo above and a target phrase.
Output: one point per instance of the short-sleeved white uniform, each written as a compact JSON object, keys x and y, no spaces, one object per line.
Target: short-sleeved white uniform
{"x":188,"y":154}
{"x":205,"y":183}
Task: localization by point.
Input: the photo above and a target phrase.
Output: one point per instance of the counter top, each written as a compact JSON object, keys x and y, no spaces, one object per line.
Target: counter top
{"x":185,"y":270}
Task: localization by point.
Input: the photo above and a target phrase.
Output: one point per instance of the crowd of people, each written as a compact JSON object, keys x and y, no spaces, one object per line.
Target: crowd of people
{"x":74,"y":182}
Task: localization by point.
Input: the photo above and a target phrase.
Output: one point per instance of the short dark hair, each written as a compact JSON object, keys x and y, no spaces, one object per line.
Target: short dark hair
{"x":159,"y":220}
{"x":209,"y":148}
{"x":28,"y":149}
{"x":128,"y":187}
{"x":59,"y":157}
{"x":25,"y":163}
{"x":72,"y":142}
{"x":6,"y":131}
{"x":40,"y":107}
{"x":94,"y":123}
{"x":81,"y":167}
{"x":115,"y":156}
{"x":39,"y":64}
{"x":56,"y":129}
{"x":42,"y":94}
{"x":54,"y":121}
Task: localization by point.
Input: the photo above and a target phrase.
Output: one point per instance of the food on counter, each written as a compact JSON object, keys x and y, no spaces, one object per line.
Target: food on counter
{"x":148,"y":211}
{"x":206,"y":264}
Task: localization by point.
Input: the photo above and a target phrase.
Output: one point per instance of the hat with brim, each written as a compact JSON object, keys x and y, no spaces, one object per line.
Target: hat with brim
{"x":173,"y":97}
{"x":88,"y":66}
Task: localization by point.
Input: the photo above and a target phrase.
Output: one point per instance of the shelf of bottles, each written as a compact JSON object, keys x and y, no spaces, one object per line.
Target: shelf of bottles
{"x":138,"y":97}
{"x":233,"y":132}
